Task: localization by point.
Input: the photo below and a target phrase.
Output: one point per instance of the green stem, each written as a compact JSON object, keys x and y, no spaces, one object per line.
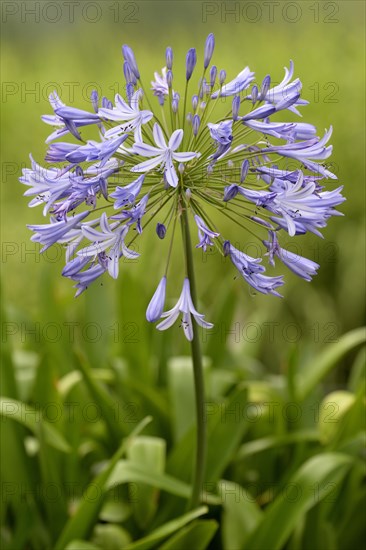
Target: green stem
{"x":198,"y":375}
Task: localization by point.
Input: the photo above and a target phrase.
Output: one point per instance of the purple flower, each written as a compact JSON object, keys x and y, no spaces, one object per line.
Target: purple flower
{"x":135,"y":214}
{"x":129,"y":116}
{"x":244,"y":170}
{"x":95,"y":151}
{"x":169,"y":58}
{"x":235,"y":107}
{"x":186,"y":307}
{"x":240,"y":83}
{"x":130,"y":58}
{"x":111,"y":240}
{"x":175,"y":102}
{"x":308,"y":151}
{"x":213,"y":75}
{"x":49,"y":234}
{"x":222,"y":132}
{"x":209,"y":48}
{"x":230,"y":192}
{"x":160,"y":85}
{"x":191,"y":61}
{"x":265,"y":87}
{"x":253,"y":163}
{"x":252,"y":271}
{"x":285,"y":95}
{"x":67,"y":119}
{"x":196,"y":121}
{"x":160,"y":230}
{"x":303,"y":267}
{"x":156,"y":305}
{"x":204,"y":233}
{"x":163,"y":154}
{"x":128,"y":193}
{"x":261,"y":112}
{"x":297,"y":201}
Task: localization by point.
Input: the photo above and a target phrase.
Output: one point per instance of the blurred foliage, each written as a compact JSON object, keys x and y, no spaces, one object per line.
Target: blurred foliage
{"x":100,"y":458}
{"x":76,"y":57}
{"x":79,"y":375}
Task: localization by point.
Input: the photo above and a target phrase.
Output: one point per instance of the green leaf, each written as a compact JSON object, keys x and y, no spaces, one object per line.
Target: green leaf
{"x":110,"y":537}
{"x":125,"y":471}
{"x":165,"y":530}
{"x":71,"y":379}
{"x":266,"y":443}
{"x":32,"y":419}
{"x":81,"y":545}
{"x":240,"y":515}
{"x":82,"y":522}
{"x":333,"y":407}
{"x":105,"y":402}
{"x":197,"y":535}
{"x":357,"y":377}
{"x":114,"y":511}
{"x":307,"y":487}
{"x":181,"y":393}
{"x":225,"y":432}
{"x":149,"y":454}
{"x":225,"y":424}
{"x":320,"y":366}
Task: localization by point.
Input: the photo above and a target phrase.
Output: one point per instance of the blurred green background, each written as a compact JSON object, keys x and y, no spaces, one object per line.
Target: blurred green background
{"x":76,"y":48}
{"x":282,"y":357}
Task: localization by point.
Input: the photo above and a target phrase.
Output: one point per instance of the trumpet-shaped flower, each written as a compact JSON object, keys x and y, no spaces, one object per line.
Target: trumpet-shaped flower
{"x":129,"y":116}
{"x":186,"y":308}
{"x":163,"y":154}
{"x":171,"y":159}
{"x":303,"y":267}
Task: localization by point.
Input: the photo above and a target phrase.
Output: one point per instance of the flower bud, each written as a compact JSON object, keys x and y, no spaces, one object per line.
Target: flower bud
{"x":244,"y":170}
{"x":169,"y":78}
{"x":226,"y":248}
{"x":191,"y":61}
{"x":130,"y":57}
{"x":213,"y":75}
{"x":209,"y":48}
{"x":156,"y":305}
{"x":222,"y":76}
{"x":196,"y":124}
{"x":160,"y":230}
{"x":254,"y":94}
{"x":265,"y":87}
{"x":169,"y":58}
{"x":235,"y":107}
{"x":95,"y":100}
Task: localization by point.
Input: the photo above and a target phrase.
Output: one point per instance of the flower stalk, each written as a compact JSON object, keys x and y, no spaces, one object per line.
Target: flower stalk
{"x":199,"y":386}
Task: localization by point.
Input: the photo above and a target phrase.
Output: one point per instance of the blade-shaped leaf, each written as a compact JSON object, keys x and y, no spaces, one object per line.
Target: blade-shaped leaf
{"x":165,"y":530}
{"x":320,"y":366}
{"x":105,"y":402}
{"x":310,"y":484}
{"x":82,"y":522}
{"x":265,"y":443}
{"x":240,"y":515}
{"x":126,"y":471}
{"x":32,"y":419}
{"x":149,"y":453}
{"x":197,"y":535}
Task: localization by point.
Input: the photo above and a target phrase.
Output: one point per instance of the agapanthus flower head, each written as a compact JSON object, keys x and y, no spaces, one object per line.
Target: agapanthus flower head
{"x":265,"y":174}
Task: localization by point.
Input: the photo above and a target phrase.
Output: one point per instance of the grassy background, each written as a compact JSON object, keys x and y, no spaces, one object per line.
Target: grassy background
{"x":328,"y":57}
{"x":255,"y":338}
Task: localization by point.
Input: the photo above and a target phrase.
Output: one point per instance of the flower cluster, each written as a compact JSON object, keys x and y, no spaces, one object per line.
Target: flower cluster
{"x":173,"y":160}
